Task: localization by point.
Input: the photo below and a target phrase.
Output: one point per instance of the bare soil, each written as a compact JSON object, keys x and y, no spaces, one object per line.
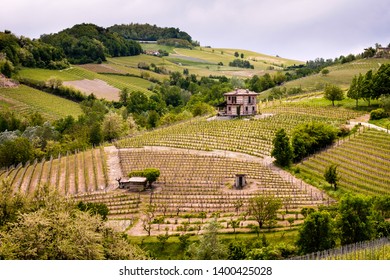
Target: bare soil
{"x":98,"y":87}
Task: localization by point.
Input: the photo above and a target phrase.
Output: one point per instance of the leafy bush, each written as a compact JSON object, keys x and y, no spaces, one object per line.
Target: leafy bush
{"x":241,"y":63}
{"x":311,"y":137}
{"x":378,"y":114}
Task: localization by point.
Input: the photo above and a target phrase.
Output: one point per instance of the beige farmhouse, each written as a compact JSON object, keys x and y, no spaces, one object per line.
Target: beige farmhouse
{"x":240,"y":102}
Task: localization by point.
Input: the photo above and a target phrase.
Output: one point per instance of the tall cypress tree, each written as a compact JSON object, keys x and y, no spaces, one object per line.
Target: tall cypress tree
{"x":282,"y":150}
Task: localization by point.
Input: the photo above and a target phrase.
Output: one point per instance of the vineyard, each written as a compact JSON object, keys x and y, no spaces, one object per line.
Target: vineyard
{"x":370,"y":250}
{"x":82,"y":172}
{"x":253,"y":137}
{"x":26,"y":100}
{"x":194,"y":187}
{"x":363,"y":163}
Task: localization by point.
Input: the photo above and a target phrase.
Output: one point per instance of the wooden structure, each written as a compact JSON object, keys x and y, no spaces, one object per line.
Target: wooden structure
{"x":133,"y":184}
{"x":240,"y":181}
{"x":240,"y":102}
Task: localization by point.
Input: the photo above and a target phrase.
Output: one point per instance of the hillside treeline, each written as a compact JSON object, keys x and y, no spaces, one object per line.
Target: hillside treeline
{"x":147,"y":32}
{"x":21,"y":51}
{"x":88,"y":43}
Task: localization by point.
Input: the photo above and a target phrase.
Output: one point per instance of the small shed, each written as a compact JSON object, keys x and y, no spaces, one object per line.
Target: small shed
{"x":240,"y":181}
{"x":133,"y":184}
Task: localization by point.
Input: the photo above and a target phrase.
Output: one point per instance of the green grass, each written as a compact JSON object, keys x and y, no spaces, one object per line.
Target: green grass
{"x":156,"y":47}
{"x":172,"y":248}
{"x":26,"y":100}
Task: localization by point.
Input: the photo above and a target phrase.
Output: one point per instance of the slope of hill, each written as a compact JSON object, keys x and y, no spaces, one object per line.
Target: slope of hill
{"x":26,"y":100}
{"x":339,"y":74}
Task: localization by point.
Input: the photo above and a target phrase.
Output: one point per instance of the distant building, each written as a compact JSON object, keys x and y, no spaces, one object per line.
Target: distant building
{"x":240,"y":102}
{"x":382,"y":52}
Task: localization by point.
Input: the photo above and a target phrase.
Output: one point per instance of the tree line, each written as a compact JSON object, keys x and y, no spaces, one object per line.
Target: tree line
{"x":22,"y":51}
{"x":147,"y":32}
{"x":89,"y":43}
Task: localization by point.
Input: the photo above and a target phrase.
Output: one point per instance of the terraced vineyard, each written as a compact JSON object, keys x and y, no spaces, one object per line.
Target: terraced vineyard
{"x":191,"y":183}
{"x":81,"y":172}
{"x":364,"y":163}
{"x":252,"y":137}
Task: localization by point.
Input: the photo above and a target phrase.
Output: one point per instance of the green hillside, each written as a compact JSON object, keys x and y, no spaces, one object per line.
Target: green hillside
{"x":26,"y":100}
{"x":339,"y":74}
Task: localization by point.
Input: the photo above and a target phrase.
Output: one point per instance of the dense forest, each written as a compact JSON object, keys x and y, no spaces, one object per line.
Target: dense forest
{"x":87,"y":43}
{"x":147,"y":32}
{"x":23,"y":51}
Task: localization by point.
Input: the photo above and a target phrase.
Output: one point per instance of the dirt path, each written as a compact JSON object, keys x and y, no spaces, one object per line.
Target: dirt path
{"x":114,"y":166}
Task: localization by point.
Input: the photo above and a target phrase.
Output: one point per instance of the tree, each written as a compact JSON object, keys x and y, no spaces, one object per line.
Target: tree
{"x":317,"y":233}
{"x":354,"y":91}
{"x":13,"y":152}
{"x":333,"y":93}
{"x":137,"y":102}
{"x":209,"y":246}
{"x":11,"y":204}
{"x":151,"y":175}
{"x":236,"y":54}
{"x":325,"y":72}
{"x":96,"y":134}
{"x":367,"y":89}
{"x":7,"y":69}
{"x":282,"y":150}
{"x":112,"y":126}
{"x":331,"y":175}
{"x":147,"y":221}
{"x":355,"y":220}
{"x":309,"y":138}
{"x":52,"y":227}
{"x":381,"y":81}
{"x":124,"y":96}
{"x":263,"y":208}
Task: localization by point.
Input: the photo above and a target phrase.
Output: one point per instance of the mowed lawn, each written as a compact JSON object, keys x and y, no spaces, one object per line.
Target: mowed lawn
{"x":25,"y":100}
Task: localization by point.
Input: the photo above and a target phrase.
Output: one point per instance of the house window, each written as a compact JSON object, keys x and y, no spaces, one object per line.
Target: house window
{"x":229,"y":109}
{"x":234,"y":100}
{"x":229,"y":98}
{"x":246,"y":109}
{"x":253,"y":108}
{"x":249,"y":99}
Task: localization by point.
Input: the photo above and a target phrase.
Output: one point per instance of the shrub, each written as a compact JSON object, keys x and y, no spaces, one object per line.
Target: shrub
{"x":378,"y":114}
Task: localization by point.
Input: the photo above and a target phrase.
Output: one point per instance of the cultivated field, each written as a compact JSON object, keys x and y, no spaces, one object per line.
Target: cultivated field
{"x":363,"y":162}
{"x":82,"y":172}
{"x":26,"y":100}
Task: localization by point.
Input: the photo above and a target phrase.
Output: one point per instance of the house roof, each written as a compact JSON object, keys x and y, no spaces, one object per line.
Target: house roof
{"x":240,"y":91}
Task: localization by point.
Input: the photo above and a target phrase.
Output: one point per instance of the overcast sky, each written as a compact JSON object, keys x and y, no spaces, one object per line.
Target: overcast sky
{"x":297,"y":29}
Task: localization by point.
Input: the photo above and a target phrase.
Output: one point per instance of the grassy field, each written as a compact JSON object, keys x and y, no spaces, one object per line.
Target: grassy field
{"x":173,"y":250}
{"x":26,"y":100}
